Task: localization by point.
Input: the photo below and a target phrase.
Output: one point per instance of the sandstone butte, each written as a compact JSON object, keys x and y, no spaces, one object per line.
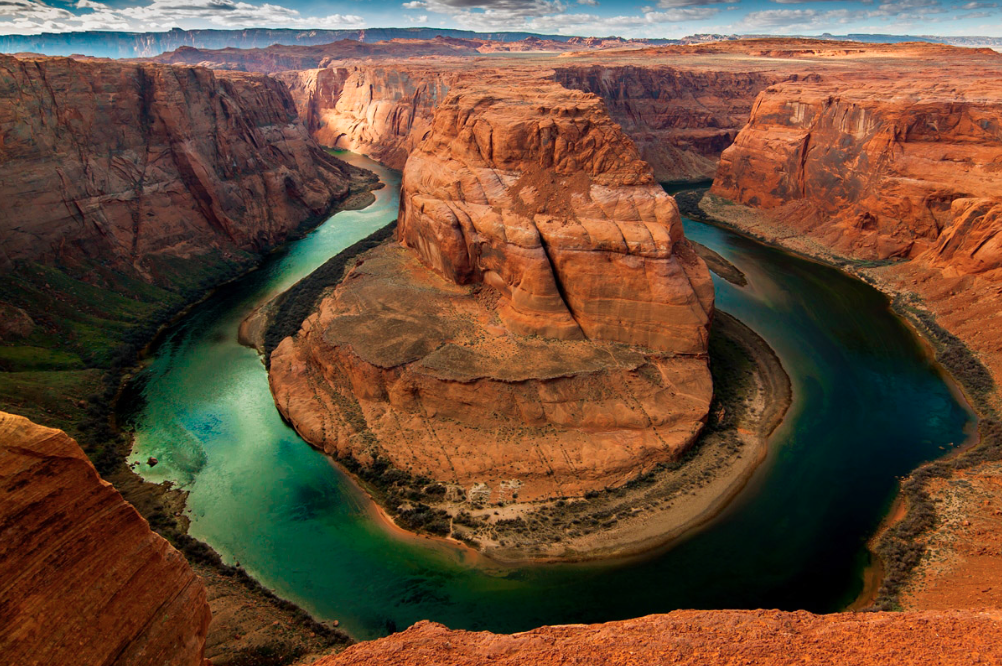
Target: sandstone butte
{"x":83,"y":580}
{"x":139,"y":165}
{"x":543,"y":330}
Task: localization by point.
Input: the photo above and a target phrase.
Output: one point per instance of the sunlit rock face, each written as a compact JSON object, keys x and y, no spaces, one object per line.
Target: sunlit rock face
{"x":82,"y":577}
{"x":543,"y":325}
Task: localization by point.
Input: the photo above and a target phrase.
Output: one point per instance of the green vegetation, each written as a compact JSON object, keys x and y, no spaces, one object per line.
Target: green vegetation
{"x":91,"y":324}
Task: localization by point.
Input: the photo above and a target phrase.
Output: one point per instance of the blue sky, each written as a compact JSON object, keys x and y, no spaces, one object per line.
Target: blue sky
{"x":627,"y":18}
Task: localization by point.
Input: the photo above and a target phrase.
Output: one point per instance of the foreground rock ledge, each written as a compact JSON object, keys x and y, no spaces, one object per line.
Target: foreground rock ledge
{"x":543,"y":335}
{"x":83,"y":580}
{"x":699,"y":638}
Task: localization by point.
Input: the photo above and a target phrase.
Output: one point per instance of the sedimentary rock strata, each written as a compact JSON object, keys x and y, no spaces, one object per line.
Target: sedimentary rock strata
{"x":542,"y":334}
{"x":539,"y":195}
{"x":877,"y":172}
{"x":379,"y":110}
{"x":124,"y":162}
{"x":82,"y":578}
{"x":681,"y":120}
{"x":769,"y":638}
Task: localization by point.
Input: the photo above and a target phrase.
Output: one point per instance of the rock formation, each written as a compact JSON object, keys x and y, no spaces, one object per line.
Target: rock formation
{"x":378,"y":110}
{"x":697,"y":638}
{"x":125,"y":162}
{"x":545,"y":334}
{"x":875,"y":171}
{"x":681,"y":120}
{"x":82,"y":578}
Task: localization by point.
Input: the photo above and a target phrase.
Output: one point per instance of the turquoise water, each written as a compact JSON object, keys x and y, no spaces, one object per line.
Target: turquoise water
{"x":868,"y":407}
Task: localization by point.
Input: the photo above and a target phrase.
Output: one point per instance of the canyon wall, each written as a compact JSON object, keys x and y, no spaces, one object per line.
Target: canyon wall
{"x":381,"y":111}
{"x":697,"y":638}
{"x":121,"y":162}
{"x":542,"y":334}
{"x":874,"y":171}
{"x":82,"y":578}
{"x":680,"y":119}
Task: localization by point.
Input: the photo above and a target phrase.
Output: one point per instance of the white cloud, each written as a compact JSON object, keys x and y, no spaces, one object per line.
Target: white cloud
{"x":34,"y":16}
{"x":670,"y":4}
{"x":590,"y":3}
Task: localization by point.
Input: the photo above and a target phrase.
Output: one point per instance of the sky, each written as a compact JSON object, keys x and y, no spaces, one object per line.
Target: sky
{"x":625,"y":18}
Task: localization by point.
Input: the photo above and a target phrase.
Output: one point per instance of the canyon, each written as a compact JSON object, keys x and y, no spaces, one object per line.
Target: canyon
{"x":539,"y":272}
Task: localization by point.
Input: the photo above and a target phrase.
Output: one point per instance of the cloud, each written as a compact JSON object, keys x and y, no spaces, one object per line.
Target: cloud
{"x":670,"y":4}
{"x":980,"y":5}
{"x":34,"y":16}
{"x":590,"y":3}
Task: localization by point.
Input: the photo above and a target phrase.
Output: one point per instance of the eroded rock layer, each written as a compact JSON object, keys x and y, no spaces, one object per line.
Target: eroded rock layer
{"x":83,"y":580}
{"x":878,"y":171}
{"x":681,"y":120}
{"x":769,"y":638}
{"x":543,"y":333}
{"x":124,"y":161}
{"x":379,"y":110}
{"x":538,"y":194}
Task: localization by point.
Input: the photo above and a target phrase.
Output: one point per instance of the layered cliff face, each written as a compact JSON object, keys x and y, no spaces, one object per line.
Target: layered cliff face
{"x":681,"y":120}
{"x":875,"y":172}
{"x":82,"y":578}
{"x":544,"y":334}
{"x":380,"y":111}
{"x":540,"y":196}
{"x":853,"y":168}
{"x":769,"y":638}
{"x":122,"y":162}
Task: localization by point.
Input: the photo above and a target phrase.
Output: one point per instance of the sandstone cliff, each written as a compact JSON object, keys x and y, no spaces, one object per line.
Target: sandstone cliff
{"x":381,"y":111}
{"x":545,"y":334}
{"x":681,"y":120}
{"x":698,"y":638}
{"x":874,"y":171}
{"x":121,"y":162}
{"x":82,"y":578}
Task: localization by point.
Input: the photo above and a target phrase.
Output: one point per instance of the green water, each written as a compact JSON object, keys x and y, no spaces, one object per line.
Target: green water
{"x":868,"y":407}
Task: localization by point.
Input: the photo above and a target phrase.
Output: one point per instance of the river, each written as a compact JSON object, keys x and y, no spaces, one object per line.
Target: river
{"x":868,"y":406}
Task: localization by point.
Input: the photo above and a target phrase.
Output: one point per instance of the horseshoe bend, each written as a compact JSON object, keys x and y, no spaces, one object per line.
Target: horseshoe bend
{"x":581,"y":330}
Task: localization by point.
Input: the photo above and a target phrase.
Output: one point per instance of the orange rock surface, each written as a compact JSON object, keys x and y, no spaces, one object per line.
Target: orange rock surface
{"x":537,"y":193}
{"x":721,"y":638}
{"x":554,"y":339}
{"x":82,"y":578}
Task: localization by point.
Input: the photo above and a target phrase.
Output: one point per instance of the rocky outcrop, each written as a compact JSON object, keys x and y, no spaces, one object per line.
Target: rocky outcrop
{"x":545,"y":334}
{"x":381,"y":111}
{"x":536,"y":193}
{"x":82,"y":578}
{"x":124,"y":162}
{"x":681,"y":120}
{"x":696,"y":638}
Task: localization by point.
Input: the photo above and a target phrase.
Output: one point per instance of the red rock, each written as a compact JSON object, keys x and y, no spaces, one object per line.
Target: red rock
{"x":698,"y":638}
{"x":123,"y":162}
{"x":82,"y":578}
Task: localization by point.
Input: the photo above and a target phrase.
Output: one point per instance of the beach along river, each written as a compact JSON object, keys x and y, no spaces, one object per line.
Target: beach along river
{"x":868,"y":406}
